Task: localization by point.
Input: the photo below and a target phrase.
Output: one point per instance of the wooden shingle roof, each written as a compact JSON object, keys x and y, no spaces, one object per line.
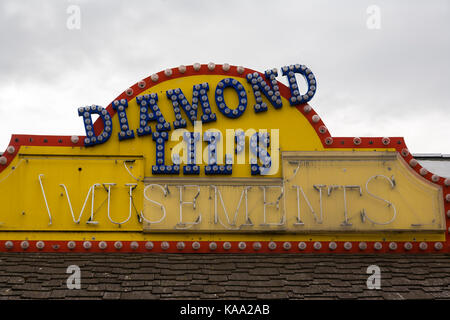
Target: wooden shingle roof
{"x":216,"y":276}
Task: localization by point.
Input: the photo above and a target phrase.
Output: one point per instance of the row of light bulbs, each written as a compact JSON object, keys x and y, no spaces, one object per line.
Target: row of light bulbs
{"x":149,"y":245}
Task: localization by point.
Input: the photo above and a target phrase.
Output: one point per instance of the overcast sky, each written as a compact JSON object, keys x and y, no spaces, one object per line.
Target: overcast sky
{"x":388,"y":81}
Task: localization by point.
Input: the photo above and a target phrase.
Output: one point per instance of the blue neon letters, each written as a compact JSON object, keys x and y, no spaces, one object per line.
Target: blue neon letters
{"x":262,"y":85}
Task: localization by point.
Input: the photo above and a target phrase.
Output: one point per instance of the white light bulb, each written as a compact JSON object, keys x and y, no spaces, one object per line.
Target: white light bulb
{"x":154,"y":77}
{"x":168,"y":72}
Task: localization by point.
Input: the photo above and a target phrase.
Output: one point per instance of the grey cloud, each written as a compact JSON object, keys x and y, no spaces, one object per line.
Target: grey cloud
{"x":392,"y":81}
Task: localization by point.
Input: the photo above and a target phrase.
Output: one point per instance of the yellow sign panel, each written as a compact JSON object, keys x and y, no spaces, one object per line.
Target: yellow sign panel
{"x":359,"y":191}
{"x":72,"y":193}
{"x":73,"y":188}
{"x":319,"y":191}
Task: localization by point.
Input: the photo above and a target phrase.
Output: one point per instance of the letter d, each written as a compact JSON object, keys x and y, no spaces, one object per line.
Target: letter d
{"x":92,"y":139}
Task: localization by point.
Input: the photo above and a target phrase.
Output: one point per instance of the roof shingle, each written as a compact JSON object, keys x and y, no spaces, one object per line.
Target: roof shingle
{"x":223,"y":276}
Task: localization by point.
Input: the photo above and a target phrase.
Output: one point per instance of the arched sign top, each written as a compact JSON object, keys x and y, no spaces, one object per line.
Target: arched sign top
{"x":224,"y":70}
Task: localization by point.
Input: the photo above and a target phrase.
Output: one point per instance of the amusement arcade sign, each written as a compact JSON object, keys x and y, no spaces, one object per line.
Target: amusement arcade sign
{"x":217,"y":158}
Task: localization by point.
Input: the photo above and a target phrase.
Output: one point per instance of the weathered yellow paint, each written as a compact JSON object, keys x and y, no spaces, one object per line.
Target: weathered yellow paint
{"x":24,"y":214}
{"x":404,"y":202}
{"x":381,"y":192}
